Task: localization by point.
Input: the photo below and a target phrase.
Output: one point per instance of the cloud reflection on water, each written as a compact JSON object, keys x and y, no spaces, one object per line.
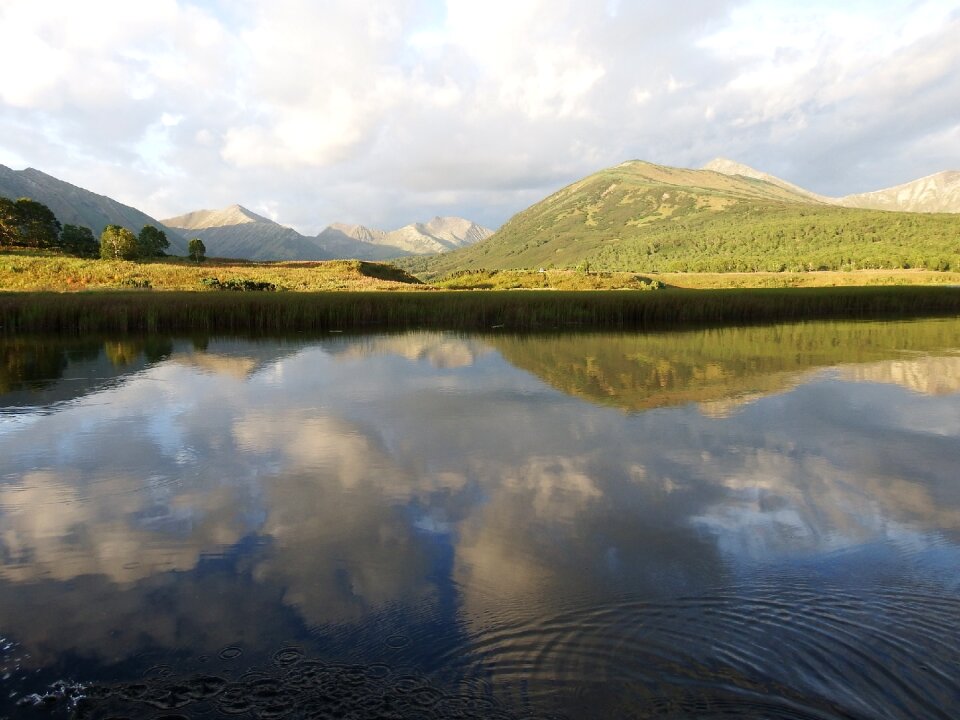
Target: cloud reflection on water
{"x":333,"y":479}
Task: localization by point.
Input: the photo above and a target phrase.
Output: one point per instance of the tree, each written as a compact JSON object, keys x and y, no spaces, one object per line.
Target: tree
{"x":78,"y":240}
{"x":197,"y":250}
{"x":39,"y":227}
{"x":152,"y":242}
{"x":118,"y":243}
{"x":8,"y":221}
{"x":28,"y":223}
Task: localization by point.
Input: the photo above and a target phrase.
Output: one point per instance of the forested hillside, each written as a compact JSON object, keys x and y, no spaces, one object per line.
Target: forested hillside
{"x":642,"y":217}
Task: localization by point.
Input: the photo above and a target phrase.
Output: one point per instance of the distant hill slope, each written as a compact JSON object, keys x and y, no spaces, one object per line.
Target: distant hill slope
{"x":75,"y":206}
{"x":357,"y":241}
{"x":731,"y":167}
{"x":235,"y":232}
{"x":238,"y":232}
{"x":939,"y":193}
{"x":437,"y":236}
{"x":203,"y":219}
{"x":638,"y":216}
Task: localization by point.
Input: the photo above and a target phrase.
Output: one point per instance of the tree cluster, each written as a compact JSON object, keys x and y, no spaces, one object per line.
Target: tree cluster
{"x":31,"y":224}
{"x":119,"y":243}
{"x":27,"y":223}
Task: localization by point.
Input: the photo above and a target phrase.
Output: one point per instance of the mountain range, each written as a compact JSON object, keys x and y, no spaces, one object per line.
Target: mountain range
{"x":634,"y":216}
{"x":937,"y":193}
{"x":237,"y":232}
{"x":638,"y":216}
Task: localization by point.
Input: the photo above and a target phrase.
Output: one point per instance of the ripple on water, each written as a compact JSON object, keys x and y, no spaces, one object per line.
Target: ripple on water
{"x":285,"y":657}
{"x":777,"y":652}
{"x":397,"y":642}
{"x":774,"y":652}
{"x":231,"y":652}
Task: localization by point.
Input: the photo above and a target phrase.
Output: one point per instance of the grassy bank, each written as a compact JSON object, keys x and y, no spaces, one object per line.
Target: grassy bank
{"x":46,"y":271}
{"x":825,"y":278}
{"x":606,"y":280}
{"x":79,"y":313}
{"x":28,"y":270}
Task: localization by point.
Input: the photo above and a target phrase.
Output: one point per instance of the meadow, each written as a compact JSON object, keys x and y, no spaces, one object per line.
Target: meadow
{"x":47,"y":292}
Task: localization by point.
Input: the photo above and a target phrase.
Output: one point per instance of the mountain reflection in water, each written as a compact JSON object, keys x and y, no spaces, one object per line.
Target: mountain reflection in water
{"x":435,"y":525}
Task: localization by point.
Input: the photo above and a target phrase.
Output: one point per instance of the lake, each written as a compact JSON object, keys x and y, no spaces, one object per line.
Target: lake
{"x":755,"y":522}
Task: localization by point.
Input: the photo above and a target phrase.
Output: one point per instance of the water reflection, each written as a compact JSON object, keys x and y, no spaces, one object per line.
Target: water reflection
{"x":450,"y":505}
{"x":636,"y":372}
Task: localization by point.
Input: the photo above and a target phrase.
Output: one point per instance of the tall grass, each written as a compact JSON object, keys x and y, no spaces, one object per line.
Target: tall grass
{"x":138,"y":312}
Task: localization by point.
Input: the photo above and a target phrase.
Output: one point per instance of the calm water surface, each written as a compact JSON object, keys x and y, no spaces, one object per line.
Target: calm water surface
{"x":740,"y":523}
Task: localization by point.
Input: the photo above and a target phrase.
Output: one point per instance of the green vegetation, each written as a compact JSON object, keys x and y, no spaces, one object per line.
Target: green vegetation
{"x":239,"y":284}
{"x":45,"y":270}
{"x":27,"y":223}
{"x":829,"y":278}
{"x":640,"y":217}
{"x":140,"y":312}
{"x":118,"y":243}
{"x":78,"y":240}
{"x":722,"y":366}
{"x":793,"y":237}
{"x":30,"y":224}
{"x":544,"y":280}
{"x":152,"y":242}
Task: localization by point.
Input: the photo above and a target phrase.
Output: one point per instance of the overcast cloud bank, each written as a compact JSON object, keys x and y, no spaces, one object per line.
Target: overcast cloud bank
{"x":390,"y":110}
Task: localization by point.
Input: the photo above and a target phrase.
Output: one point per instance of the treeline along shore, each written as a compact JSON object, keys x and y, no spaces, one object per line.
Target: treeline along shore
{"x":139,"y":312}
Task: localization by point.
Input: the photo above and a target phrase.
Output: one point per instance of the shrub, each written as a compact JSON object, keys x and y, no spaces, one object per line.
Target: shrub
{"x":239,"y":284}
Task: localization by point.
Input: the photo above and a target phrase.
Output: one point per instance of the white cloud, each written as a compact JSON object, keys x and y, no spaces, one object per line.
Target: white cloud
{"x":378,"y":111}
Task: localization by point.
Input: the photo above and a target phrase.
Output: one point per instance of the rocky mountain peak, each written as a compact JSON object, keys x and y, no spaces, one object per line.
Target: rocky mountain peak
{"x":732,"y":167}
{"x":224,"y":217}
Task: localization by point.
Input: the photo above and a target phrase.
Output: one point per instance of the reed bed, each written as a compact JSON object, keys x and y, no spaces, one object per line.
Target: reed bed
{"x":139,"y":312}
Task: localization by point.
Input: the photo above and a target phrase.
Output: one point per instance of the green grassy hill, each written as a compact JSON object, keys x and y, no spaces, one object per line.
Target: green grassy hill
{"x":641,"y":217}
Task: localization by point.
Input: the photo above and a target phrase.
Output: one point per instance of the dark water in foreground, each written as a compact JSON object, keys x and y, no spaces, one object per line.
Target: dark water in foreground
{"x":746,"y":523}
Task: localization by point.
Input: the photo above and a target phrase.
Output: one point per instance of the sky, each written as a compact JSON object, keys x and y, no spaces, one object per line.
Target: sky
{"x":386,"y":112}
